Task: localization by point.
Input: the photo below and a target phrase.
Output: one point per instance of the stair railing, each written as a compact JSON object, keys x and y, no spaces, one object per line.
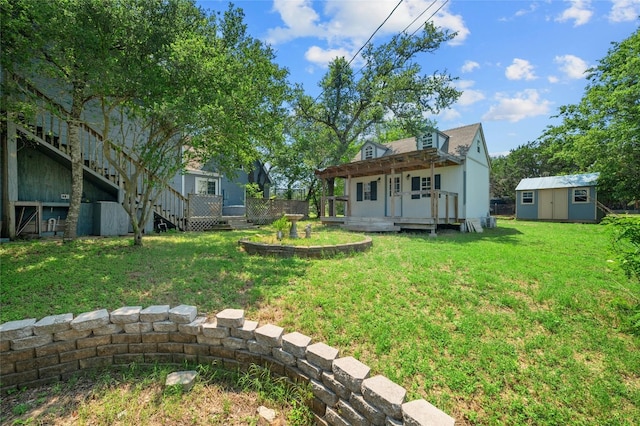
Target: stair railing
{"x":49,"y":126}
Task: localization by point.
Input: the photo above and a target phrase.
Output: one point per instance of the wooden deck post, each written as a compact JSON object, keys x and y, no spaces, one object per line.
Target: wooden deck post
{"x":455,"y":204}
{"x":434,"y":202}
{"x":347,"y":185}
{"x":446,"y":208}
{"x":393,"y":193}
{"x":322,"y":198}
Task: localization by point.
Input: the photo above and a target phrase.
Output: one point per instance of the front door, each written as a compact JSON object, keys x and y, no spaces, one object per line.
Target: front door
{"x":553,"y":204}
{"x":394,"y":203}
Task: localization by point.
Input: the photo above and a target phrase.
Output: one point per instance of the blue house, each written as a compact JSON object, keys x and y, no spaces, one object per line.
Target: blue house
{"x":205,"y":179}
{"x":570,"y":198}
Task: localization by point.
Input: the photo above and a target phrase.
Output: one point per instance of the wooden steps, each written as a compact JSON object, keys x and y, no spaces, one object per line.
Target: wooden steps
{"x":370,"y":224}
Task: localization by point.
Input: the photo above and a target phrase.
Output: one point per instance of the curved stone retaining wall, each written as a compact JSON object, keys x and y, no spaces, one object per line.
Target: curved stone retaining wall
{"x":34,"y":353}
{"x":280,"y":250}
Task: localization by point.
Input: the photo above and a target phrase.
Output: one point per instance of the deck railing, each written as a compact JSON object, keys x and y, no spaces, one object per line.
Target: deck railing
{"x":443,"y":205}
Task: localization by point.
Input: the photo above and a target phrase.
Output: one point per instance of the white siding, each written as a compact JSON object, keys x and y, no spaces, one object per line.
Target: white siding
{"x":367,"y":208}
{"x":477,"y":188}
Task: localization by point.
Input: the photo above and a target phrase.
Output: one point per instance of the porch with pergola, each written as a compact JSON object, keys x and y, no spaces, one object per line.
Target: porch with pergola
{"x":390,"y":166}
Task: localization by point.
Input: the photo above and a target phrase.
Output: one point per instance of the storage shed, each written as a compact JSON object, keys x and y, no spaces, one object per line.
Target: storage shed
{"x":570,"y":198}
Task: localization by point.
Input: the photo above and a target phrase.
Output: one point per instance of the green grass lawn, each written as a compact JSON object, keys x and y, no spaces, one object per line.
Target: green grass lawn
{"x":523,"y":324}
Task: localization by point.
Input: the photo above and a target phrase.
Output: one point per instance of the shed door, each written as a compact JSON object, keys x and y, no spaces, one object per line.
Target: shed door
{"x":553,"y":204}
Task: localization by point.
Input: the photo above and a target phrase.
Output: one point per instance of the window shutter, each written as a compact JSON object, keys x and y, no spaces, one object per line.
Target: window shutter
{"x":415,"y":186}
{"x":359,"y":191}
{"x":436,"y":184}
{"x":374,"y":190}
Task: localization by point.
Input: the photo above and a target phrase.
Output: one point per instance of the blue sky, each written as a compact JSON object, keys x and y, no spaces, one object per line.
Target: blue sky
{"x":517,"y":61}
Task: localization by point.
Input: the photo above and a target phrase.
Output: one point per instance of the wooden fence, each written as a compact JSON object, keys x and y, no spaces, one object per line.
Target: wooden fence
{"x":261,"y":211}
{"x":205,"y":211}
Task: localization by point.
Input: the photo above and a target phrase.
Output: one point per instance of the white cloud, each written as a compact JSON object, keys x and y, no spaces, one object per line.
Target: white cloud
{"x":580,"y":12}
{"x":469,"y":96}
{"x":532,"y":8}
{"x":520,"y":69}
{"x":352,"y":22}
{"x":322,"y":57}
{"x":553,"y":79}
{"x":469,"y":66}
{"x":300,"y":20}
{"x":624,"y":10}
{"x":451,"y":22}
{"x":572,"y":66}
{"x":523,"y":105}
{"x":449,"y":114}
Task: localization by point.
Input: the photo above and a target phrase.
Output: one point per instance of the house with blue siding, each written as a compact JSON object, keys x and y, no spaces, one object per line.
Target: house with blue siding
{"x":570,"y":198}
{"x":205,"y":179}
{"x":35,"y":175}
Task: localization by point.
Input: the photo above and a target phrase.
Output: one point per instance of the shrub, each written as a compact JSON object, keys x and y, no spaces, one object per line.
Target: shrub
{"x":625,"y":231}
{"x":625,"y":240}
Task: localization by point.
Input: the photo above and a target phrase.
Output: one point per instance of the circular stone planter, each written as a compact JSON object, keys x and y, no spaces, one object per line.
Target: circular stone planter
{"x":281,"y":250}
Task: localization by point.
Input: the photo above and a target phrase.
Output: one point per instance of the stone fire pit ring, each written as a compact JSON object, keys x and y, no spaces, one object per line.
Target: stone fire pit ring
{"x":314,"y":252}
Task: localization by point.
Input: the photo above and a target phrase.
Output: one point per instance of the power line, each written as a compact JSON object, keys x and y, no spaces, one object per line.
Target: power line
{"x":382,"y":24}
{"x":374,"y":33}
{"x":365,"y":44}
{"x":418,"y":17}
{"x":432,"y":15}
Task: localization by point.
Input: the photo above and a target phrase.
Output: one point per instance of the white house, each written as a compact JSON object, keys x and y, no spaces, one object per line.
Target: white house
{"x":436,"y":178}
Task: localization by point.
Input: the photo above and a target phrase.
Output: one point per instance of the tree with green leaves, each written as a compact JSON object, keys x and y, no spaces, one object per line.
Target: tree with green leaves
{"x":217,"y":91}
{"x":390,"y":83}
{"x":163,"y":74}
{"x":59,"y":40}
{"x":602,"y":132}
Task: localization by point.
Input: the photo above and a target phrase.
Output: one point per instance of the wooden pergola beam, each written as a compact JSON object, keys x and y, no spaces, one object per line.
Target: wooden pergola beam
{"x":399,"y":163}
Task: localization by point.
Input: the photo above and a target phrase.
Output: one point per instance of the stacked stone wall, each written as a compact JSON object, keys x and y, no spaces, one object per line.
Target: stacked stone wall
{"x":38,"y":352}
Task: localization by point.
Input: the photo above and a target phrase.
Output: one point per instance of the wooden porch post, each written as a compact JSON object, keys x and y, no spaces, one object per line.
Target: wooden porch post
{"x":393,"y":193}
{"x":434,"y":202}
{"x":455,"y":209}
{"x":347,"y":209}
{"x":446,"y":207}
{"x":322,"y":198}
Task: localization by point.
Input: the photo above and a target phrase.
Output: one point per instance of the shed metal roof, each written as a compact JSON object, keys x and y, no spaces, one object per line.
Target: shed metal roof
{"x":551,"y":182}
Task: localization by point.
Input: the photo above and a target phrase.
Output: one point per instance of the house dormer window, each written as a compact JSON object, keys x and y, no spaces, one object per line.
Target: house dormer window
{"x":425,"y":141}
{"x":368,"y":152}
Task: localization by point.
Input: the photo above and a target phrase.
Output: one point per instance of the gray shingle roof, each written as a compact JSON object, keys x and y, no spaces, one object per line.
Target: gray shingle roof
{"x":460,"y":139}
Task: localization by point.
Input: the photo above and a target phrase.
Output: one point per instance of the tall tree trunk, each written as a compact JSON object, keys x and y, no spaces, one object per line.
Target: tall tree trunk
{"x":71,"y":223}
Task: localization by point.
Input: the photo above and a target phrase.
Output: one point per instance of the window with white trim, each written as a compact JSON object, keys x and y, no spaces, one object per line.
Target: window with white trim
{"x":527,"y":197}
{"x":206,"y":186}
{"x":426,"y":141}
{"x":394,"y":186}
{"x":367,"y":191}
{"x":368,"y":152}
{"x":425,"y":185}
{"x":580,"y":195}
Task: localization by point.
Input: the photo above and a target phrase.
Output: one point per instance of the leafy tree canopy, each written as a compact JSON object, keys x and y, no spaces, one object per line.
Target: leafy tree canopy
{"x":599,"y":134}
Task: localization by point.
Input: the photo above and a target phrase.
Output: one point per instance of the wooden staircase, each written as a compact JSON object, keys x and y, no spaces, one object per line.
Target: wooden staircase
{"x":49,"y":130}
